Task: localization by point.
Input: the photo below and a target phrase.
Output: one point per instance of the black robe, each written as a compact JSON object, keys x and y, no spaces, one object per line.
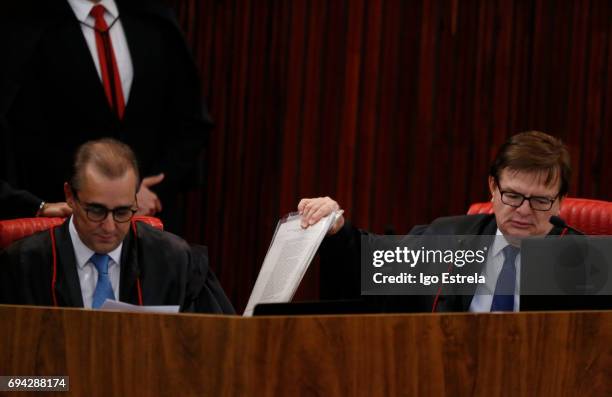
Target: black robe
{"x":170,"y":272}
{"x":341,"y":277}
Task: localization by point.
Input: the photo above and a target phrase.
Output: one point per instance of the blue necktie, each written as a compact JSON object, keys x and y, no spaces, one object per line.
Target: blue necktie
{"x":104,"y":289}
{"x":503,"y":300}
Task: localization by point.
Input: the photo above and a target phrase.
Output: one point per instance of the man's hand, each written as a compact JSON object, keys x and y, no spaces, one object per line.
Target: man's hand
{"x":61,"y":210}
{"x":313,"y":209}
{"x":148,"y":202}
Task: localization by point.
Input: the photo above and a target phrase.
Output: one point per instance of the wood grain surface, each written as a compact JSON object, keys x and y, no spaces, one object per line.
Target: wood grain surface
{"x":123,"y":354}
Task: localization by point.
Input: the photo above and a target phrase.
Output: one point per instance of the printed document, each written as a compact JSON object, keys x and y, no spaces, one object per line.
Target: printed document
{"x":288,"y":258}
{"x":126,"y":307}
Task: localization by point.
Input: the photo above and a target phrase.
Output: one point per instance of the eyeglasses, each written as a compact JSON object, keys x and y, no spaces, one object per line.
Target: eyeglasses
{"x":99,"y":213}
{"x":514,"y":199}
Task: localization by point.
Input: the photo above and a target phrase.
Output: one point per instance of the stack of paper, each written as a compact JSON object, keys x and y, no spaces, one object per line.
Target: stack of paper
{"x":288,"y":258}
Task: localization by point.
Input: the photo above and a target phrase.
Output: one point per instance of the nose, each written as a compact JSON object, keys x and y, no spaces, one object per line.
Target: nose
{"x":524,"y":209}
{"x":108,"y":224}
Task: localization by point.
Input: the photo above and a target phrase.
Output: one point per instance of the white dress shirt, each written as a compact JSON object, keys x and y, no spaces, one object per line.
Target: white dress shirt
{"x":81,"y":9}
{"x":88,"y":274}
{"x":483,"y":298}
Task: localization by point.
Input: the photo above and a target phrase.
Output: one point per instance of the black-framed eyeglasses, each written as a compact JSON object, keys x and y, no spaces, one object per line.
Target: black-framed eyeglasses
{"x":537,"y":203}
{"x":99,"y":213}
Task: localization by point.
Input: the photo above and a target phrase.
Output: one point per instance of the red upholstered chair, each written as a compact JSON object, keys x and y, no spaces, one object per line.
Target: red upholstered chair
{"x":14,"y":229}
{"x":592,"y":217}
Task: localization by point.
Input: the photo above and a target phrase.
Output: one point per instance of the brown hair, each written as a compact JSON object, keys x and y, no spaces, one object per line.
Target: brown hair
{"x":535,"y":151}
{"x":109,"y":156}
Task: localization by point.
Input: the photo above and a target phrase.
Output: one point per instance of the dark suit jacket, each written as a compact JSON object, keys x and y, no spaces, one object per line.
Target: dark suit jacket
{"x":16,"y":203}
{"x":53,"y":100}
{"x":340,"y":270}
{"x":170,"y":271}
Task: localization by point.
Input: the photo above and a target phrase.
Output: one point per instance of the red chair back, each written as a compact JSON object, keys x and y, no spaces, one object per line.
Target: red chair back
{"x":592,"y":217}
{"x":12,"y":230}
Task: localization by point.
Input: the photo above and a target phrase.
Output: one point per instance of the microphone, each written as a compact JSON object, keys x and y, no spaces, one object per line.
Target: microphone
{"x":559,"y":222}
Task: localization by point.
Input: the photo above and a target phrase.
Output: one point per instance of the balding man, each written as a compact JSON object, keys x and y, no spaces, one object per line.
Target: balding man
{"x":99,"y":253}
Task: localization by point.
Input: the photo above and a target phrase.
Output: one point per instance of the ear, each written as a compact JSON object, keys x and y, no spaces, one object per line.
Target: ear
{"x":492,"y":187}
{"x":69,"y":195}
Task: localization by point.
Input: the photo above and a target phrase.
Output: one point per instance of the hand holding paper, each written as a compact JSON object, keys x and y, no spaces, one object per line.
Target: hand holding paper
{"x":288,"y":258}
{"x":313,"y":210}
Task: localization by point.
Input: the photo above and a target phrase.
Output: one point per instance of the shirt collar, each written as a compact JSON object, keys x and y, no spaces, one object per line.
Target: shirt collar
{"x":82,"y":8}
{"x":499,"y":244}
{"x":83,"y":253}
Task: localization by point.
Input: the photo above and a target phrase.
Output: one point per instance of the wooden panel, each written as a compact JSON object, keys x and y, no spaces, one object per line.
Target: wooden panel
{"x":105,"y":353}
{"x":393,"y":107}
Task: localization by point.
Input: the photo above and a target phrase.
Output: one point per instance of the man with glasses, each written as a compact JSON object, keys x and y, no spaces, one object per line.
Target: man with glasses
{"x":528,"y":180}
{"x":99,"y":254}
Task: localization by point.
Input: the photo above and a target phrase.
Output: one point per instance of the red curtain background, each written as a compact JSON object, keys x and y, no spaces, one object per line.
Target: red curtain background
{"x":393,"y":107}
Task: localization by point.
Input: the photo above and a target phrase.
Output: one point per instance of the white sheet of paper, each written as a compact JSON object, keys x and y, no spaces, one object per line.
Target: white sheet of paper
{"x":126,"y":307}
{"x":290,"y":253}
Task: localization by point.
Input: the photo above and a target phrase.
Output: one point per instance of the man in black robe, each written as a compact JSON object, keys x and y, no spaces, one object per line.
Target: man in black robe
{"x":99,"y":253}
{"x":528,"y":181}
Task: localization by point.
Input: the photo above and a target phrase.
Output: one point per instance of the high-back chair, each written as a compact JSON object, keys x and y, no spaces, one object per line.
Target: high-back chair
{"x":592,"y":217}
{"x":14,"y":229}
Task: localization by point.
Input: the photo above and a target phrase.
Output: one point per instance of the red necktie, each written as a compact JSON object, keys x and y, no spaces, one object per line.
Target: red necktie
{"x":108,"y":64}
